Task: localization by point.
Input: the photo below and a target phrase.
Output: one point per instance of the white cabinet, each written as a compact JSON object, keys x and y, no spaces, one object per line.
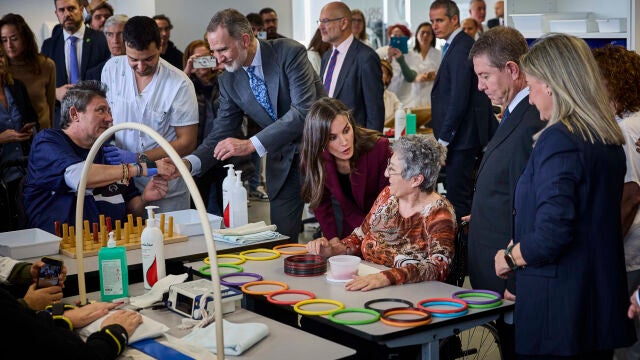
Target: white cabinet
{"x":598,"y":9}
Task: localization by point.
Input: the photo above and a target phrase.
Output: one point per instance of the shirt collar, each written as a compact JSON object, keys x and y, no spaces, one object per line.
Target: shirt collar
{"x":257,"y":58}
{"x":344,"y":46}
{"x":79,"y":34}
{"x":453,"y":35}
{"x":516,"y":99}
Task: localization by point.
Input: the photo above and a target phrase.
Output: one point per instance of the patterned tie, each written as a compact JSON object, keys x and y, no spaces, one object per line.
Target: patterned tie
{"x":505,"y":115}
{"x":259,"y":90}
{"x":74,"y":69}
{"x":332,"y":65}
{"x":444,"y":49}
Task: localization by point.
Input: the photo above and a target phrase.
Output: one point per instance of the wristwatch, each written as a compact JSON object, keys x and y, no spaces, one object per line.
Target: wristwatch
{"x":143,"y":158}
{"x":511,"y":262}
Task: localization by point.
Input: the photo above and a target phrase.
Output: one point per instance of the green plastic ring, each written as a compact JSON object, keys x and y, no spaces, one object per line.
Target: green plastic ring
{"x":205,"y":269}
{"x":496,"y":303}
{"x":376,"y":316}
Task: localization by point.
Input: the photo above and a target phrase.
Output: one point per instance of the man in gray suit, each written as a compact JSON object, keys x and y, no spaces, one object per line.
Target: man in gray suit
{"x":351,"y":71}
{"x":496,"y":61}
{"x":279,"y":71}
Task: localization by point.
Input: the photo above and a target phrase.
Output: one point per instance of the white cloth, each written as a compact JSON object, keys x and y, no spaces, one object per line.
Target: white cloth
{"x":246,"y":239}
{"x":169,"y":100}
{"x":247,"y":229}
{"x":342,"y":48}
{"x":148,"y":329}
{"x":6,"y":266}
{"x":237,"y":337}
{"x":155,"y":294}
{"x":630,"y":125}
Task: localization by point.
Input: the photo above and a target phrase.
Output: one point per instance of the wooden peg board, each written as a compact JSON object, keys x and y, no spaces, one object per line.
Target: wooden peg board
{"x":127,"y":235}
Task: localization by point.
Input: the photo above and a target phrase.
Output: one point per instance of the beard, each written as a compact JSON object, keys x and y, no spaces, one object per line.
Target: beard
{"x":237,"y":63}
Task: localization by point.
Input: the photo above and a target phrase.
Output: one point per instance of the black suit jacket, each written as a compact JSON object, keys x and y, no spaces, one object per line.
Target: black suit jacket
{"x":493,"y":22}
{"x":293,"y":86}
{"x":359,"y":84}
{"x":491,"y":226}
{"x":461,"y":114}
{"x":94,"y":52}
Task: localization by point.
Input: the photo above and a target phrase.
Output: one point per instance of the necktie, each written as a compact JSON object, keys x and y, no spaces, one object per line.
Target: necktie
{"x":259,"y":90}
{"x":74,"y":69}
{"x":505,"y":115}
{"x":332,"y":65}
{"x":444,"y":48}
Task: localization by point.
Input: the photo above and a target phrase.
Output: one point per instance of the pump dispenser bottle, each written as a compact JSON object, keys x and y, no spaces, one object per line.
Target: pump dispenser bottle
{"x":227,"y":184}
{"x":152,"y":248}
{"x":114,"y":275}
{"x":400,"y":122}
{"x":239,"y":211}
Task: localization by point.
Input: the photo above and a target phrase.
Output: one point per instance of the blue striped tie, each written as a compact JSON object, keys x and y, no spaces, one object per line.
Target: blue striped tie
{"x":444,"y":48}
{"x":74,"y":69}
{"x":332,"y":65}
{"x":505,"y":115}
{"x":259,"y":90}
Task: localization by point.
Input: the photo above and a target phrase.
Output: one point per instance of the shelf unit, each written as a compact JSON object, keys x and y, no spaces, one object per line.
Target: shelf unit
{"x":600,"y":9}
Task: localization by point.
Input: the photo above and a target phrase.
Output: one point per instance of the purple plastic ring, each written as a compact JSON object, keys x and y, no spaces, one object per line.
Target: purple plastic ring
{"x":456,"y":295}
{"x":257,"y":277}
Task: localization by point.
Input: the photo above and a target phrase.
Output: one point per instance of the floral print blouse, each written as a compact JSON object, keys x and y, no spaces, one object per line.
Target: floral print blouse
{"x":418,"y":248}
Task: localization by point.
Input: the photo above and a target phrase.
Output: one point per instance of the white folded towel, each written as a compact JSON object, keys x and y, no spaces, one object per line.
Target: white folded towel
{"x":250,"y":228}
{"x":246,"y":239}
{"x":237,"y":337}
{"x":155,"y":294}
{"x":148,"y":329}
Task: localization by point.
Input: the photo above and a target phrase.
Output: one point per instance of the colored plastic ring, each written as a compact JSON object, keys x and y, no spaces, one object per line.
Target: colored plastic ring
{"x":206,"y":272}
{"x":457,"y":304}
{"x":297,"y":306}
{"x":297,"y":252}
{"x":492,"y":295}
{"x":452,"y":315}
{"x":276,"y":254}
{"x":386,"y":315}
{"x":368,"y":304}
{"x":375,"y":314}
{"x":257,"y":277}
{"x":245,"y":287}
{"x":486,"y":306}
{"x":272,"y":295}
{"x":241,"y":259}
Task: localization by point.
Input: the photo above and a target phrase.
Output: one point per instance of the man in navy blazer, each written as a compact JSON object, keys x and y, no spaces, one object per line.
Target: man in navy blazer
{"x":462,"y":117}
{"x":93,"y":52}
{"x":496,"y":60}
{"x":356,"y":77}
{"x":292,"y":86}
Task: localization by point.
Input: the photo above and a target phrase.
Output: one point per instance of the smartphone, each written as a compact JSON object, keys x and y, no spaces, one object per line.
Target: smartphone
{"x":204,"y":62}
{"x":49,"y":273}
{"x":27,"y":127}
{"x":262,"y":35}
{"x":400,"y":43}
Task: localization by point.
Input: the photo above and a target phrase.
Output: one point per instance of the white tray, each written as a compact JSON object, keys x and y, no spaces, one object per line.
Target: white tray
{"x":187,"y":222}
{"x":28,"y":243}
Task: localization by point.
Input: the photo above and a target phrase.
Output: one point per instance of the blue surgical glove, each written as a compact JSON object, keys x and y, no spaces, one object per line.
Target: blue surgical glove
{"x":115,"y":156}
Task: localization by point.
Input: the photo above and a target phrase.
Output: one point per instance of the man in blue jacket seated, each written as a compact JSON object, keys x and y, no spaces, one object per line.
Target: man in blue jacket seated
{"x":58,"y":156}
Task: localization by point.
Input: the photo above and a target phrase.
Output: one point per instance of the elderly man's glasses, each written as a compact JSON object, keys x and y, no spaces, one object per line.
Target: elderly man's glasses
{"x":326,"y":21}
{"x":390,"y":170}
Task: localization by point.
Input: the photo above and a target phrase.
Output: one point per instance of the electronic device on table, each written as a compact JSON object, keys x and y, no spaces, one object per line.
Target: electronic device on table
{"x":189,"y":298}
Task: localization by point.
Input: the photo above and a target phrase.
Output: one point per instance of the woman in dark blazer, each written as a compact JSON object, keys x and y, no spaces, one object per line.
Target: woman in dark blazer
{"x":567,"y":251}
{"x":343,"y":161}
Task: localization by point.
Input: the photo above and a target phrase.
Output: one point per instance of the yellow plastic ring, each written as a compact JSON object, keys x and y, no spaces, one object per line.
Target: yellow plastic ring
{"x":297,"y":306}
{"x":245,"y":287}
{"x":296,"y":252}
{"x":241,"y":259}
{"x":276,"y":254}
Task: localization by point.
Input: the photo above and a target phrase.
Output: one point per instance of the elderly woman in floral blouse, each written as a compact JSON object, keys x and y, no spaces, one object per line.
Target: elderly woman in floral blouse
{"x":410,"y":228}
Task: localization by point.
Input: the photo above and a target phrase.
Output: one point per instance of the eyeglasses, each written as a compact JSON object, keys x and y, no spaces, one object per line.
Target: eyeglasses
{"x":390,"y":170}
{"x":325,"y":21}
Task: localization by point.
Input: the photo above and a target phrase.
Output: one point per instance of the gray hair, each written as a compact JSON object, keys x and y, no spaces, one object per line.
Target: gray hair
{"x":500,"y":44}
{"x":79,"y":96}
{"x":232,"y":20}
{"x":116,"y":19}
{"x":451,"y":8}
{"x":420,"y":155}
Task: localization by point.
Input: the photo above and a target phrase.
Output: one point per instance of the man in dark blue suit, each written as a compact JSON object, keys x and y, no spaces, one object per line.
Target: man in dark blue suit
{"x":496,"y":60}
{"x":91,"y":49}
{"x":355,"y":75}
{"x":462,"y":117}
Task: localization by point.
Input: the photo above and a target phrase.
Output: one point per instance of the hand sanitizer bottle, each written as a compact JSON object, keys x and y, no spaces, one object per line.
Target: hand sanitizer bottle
{"x":239,"y":211}
{"x":152,"y":246}
{"x":114,"y":275}
{"x":227,"y":184}
{"x":400,"y":122}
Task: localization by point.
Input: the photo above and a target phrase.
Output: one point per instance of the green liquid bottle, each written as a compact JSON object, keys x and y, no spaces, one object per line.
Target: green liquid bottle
{"x":114,"y":275}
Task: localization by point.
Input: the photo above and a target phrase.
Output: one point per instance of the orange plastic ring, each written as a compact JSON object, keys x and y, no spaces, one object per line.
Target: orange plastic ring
{"x":424,"y":320}
{"x":245,"y":287}
{"x":271,"y":296}
{"x":297,"y":252}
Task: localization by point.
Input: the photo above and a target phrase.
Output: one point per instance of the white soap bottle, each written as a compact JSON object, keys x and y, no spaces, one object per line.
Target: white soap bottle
{"x":152,"y":248}
{"x":238,"y":202}
{"x":400,"y":122}
{"x":227,"y":184}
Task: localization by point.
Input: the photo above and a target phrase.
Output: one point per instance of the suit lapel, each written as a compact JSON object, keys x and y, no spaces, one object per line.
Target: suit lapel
{"x":348,"y":66}
{"x":86,"y":52}
{"x":271,"y":73}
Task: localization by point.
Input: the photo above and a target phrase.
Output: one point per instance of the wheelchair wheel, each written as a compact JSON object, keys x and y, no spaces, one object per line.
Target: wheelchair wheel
{"x":480,"y":342}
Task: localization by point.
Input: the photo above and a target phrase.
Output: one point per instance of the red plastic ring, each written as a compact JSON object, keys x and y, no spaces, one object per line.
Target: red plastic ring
{"x":271,"y":296}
